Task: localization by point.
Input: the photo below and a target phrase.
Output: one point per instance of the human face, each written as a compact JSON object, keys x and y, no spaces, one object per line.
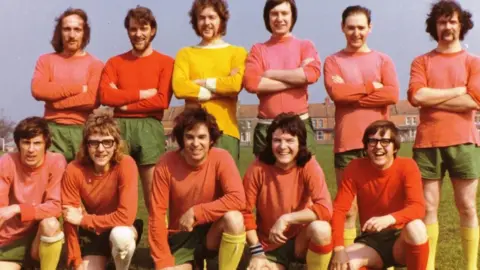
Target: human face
{"x":32,"y":151}
{"x":208,"y":24}
{"x":101,"y":149}
{"x":381,"y":150}
{"x":72,"y":34}
{"x":196,"y":144}
{"x":140,"y":35}
{"x":285,"y":149}
{"x":356,"y":30}
{"x":448,"y":29}
{"x":281,"y":19}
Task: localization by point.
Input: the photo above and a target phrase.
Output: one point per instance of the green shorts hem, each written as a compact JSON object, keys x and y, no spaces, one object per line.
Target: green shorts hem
{"x":66,"y":139}
{"x":341,"y":160}
{"x":184,"y":245}
{"x":231,"y":144}
{"x":17,"y":251}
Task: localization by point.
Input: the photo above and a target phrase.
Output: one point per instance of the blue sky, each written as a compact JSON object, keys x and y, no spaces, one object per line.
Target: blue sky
{"x":27,"y":26}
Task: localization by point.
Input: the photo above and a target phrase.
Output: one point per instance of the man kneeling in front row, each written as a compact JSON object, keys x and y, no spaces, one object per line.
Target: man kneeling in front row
{"x":30,"y":199}
{"x":390,"y":204}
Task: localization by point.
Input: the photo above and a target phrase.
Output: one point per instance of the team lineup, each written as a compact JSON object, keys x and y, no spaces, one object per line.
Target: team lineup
{"x":73,"y":182}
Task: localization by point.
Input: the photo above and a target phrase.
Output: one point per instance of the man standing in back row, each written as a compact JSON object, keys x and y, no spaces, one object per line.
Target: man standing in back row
{"x":138,"y":84}
{"x":445,"y":84}
{"x":67,"y":81}
{"x":362,"y":83}
{"x":280,"y":70}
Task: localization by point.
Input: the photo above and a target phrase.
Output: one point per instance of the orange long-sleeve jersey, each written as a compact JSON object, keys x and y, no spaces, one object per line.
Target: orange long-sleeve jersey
{"x":440,"y":128}
{"x":109,"y":200}
{"x":275,"y":192}
{"x":357,"y":102}
{"x":396,"y":191}
{"x":59,"y":81}
{"x":212,"y":189}
{"x":130,"y":74}
{"x":36,"y":191}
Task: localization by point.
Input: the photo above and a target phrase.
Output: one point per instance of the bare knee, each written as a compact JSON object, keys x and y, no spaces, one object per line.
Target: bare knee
{"x":466,"y":207}
{"x":415,"y":232}
{"x":320,"y":232}
{"x":233,"y":221}
{"x":49,"y":227}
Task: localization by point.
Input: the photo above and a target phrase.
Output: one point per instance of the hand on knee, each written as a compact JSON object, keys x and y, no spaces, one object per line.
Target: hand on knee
{"x":233,"y":222}
{"x":320,"y":232}
{"x":416,"y":232}
{"x":123,"y":242}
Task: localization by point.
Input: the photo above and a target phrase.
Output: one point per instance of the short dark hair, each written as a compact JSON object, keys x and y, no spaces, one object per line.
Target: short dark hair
{"x":293,"y":125}
{"x":189,"y":118}
{"x":350,"y":10}
{"x":383,"y":126}
{"x":142,"y":15}
{"x":270,"y":4}
{"x":448,"y":8}
{"x":32,"y":127}
{"x":220,"y":7}
{"x":57,"y":42}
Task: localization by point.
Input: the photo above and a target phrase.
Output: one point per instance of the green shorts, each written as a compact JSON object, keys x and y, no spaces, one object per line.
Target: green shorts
{"x":17,"y":250}
{"x":231,"y":144}
{"x":186,"y":246}
{"x":461,"y":161}
{"x":285,"y":255}
{"x":342,"y":159}
{"x":260,"y":137}
{"x":144,"y":139}
{"x":66,"y":139}
{"x":382,"y":242}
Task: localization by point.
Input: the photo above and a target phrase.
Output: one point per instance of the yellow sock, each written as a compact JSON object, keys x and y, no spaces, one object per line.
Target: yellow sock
{"x":432,"y":232}
{"x":49,"y":251}
{"x":231,"y":251}
{"x":348,"y":236}
{"x":318,"y":257}
{"x":470,"y":247}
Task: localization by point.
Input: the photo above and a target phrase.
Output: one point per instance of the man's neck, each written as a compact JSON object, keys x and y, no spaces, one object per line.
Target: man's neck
{"x":73,"y":54}
{"x":143,"y":53}
{"x":363,"y":49}
{"x":211,"y":42}
{"x":449,"y":47}
{"x":281,"y":36}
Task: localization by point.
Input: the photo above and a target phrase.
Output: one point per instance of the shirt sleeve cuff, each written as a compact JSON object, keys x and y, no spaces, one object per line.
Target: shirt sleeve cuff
{"x":211,"y":84}
{"x":27,"y":212}
{"x":204,"y":94}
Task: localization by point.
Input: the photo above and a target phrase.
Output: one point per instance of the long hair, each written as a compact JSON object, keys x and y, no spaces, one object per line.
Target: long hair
{"x":100,"y":122}
{"x":220,"y":7}
{"x":189,"y":118}
{"x":448,"y":8}
{"x":57,"y":42}
{"x":270,"y":4}
{"x":382,"y":126}
{"x":32,"y":127}
{"x":292,"y":124}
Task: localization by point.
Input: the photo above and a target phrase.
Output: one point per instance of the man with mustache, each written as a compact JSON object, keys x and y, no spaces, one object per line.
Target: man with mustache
{"x":445,"y":84}
{"x":362,"y":82}
{"x":30,"y":182}
{"x":138,"y":85}
{"x":280,"y":70}
{"x":210,"y":74}
{"x":67,"y":81}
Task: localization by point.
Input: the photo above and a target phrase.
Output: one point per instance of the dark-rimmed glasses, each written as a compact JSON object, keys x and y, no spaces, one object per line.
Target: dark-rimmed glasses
{"x":96,"y":143}
{"x":383,"y":142}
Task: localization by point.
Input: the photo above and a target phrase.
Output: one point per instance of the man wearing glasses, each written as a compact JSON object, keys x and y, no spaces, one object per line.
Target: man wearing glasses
{"x":390,"y":205}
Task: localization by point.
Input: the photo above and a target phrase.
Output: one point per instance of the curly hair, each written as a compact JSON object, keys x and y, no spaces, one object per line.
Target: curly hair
{"x":142,"y":15}
{"x":100,"y":122}
{"x":382,"y":126}
{"x":448,"y":8}
{"x":270,"y":4}
{"x":220,"y":7}
{"x":57,"y":42}
{"x":32,"y":127}
{"x":292,"y":124}
{"x":189,"y":118}
{"x":350,"y":10}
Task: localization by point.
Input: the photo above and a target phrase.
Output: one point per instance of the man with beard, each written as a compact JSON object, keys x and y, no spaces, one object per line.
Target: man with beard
{"x":30,"y":182}
{"x":445,"y":84}
{"x":362,"y":83}
{"x":138,"y":85}
{"x":201,"y":187}
{"x":67,"y":81}
{"x":210,"y":74}
{"x":390,"y":206}
{"x":280,"y":70}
